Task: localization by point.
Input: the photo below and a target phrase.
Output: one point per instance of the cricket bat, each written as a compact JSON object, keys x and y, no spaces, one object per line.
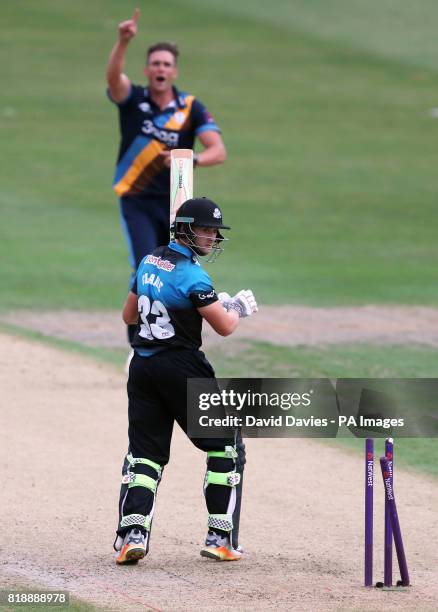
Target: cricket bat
{"x":181,"y":179}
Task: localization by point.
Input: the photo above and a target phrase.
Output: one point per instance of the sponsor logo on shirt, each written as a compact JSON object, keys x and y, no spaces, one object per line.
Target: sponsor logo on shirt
{"x":165,"y":136}
{"x":162,"y":264}
{"x":179,"y":117}
{"x":206,"y":296}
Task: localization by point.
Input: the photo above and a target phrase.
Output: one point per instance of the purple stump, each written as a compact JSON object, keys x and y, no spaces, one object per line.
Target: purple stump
{"x":387,"y":574}
{"x":392,"y":510}
{"x":369,"y":485}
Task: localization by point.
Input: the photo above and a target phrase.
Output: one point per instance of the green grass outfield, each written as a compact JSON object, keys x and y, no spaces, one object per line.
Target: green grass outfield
{"x":330,"y":184}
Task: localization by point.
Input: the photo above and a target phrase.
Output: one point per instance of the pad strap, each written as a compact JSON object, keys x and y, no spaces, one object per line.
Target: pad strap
{"x":136,"y":519}
{"x":229,"y":453}
{"x":134,"y":460}
{"x":139,"y":480}
{"x":229,"y":479}
{"x":221,"y":521}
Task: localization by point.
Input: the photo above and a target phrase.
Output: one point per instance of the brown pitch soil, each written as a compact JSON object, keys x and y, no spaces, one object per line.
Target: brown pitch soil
{"x":63,"y":432}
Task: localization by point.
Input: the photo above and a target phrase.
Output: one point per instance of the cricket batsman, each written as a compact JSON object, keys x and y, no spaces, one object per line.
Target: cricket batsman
{"x":170,"y":297}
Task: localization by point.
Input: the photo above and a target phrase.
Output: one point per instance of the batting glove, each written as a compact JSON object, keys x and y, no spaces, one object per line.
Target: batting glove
{"x":243,"y":303}
{"x":224,"y":297}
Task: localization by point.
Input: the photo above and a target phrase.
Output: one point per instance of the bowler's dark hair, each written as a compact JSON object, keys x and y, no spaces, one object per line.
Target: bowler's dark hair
{"x":163,"y":46}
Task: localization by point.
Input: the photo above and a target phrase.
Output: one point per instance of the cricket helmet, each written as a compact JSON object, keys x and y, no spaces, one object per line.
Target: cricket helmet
{"x":199,"y":212}
{"x":202,"y":212}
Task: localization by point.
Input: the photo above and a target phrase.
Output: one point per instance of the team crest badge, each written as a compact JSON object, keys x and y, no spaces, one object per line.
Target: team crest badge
{"x":179,"y":117}
{"x":217,"y":213}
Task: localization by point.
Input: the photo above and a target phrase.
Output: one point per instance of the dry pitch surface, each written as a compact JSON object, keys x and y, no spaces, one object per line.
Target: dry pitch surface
{"x":63,"y":433}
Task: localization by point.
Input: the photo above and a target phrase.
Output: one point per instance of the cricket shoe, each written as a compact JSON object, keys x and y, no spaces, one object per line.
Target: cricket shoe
{"x":132,"y":548}
{"x":219,"y":548}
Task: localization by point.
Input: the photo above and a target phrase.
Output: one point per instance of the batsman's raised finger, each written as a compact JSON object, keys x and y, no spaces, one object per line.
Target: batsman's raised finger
{"x":136,"y":15}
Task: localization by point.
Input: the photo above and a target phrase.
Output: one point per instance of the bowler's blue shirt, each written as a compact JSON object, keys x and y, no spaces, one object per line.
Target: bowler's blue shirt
{"x":146,"y":130}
